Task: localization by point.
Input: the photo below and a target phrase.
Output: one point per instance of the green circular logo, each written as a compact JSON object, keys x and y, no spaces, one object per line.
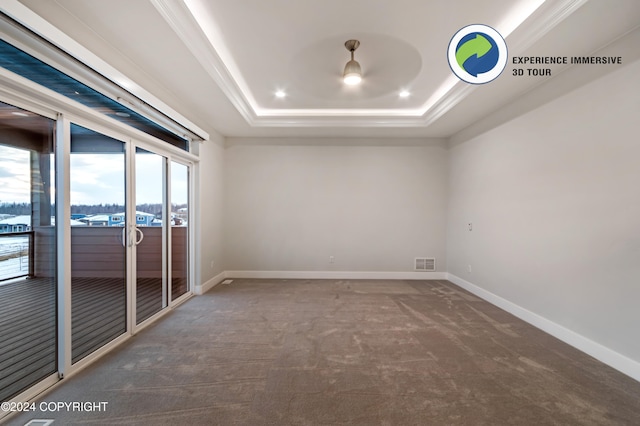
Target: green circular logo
{"x":477,"y":54}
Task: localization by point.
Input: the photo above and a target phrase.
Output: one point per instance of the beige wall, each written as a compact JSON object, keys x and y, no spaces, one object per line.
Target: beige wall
{"x":210,"y":181}
{"x":374,"y":208}
{"x":554,"y":198}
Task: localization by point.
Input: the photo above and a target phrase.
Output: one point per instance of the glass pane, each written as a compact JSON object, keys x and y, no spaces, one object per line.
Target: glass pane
{"x":151,"y":292}
{"x":98,"y":252}
{"x":21,"y":63}
{"x":179,"y":230}
{"x":27,"y":251}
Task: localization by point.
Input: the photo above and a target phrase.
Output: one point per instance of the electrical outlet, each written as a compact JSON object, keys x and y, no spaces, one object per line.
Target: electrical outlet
{"x":332,"y":259}
{"x":470,"y":226}
{"x":212,"y":264}
{"x":469,"y":268}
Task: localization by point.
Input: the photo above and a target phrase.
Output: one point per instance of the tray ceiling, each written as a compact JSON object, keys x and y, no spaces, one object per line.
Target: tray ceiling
{"x":221,"y":62}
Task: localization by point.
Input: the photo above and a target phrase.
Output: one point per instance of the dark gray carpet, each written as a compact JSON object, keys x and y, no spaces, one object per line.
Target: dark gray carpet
{"x":330,"y":352}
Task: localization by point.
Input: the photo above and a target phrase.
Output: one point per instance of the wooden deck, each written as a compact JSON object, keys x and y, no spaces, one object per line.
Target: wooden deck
{"x":28,"y":323}
{"x":98,"y":313}
{"x":27,"y":334}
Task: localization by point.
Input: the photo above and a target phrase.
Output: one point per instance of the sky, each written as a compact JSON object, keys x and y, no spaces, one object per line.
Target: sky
{"x":15,"y":178}
{"x":95,"y":178}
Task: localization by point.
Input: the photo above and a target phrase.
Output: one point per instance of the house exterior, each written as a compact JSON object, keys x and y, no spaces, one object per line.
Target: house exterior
{"x":97,"y":220}
{"x":15,"y":224}
{"x":142,"y":219}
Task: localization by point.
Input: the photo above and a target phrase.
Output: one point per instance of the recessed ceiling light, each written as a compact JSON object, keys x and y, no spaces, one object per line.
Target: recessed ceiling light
{"x":280,"y":94}
{"x":404,"y":94}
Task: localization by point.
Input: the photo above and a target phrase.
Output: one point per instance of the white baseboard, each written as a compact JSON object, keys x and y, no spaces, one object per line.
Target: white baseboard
{"x":209,"y":284}
{"x":613,"y":359}
{"x":333,"y":275}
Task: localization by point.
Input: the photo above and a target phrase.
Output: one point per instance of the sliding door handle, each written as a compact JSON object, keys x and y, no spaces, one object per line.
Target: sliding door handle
{"x":139,"y":235}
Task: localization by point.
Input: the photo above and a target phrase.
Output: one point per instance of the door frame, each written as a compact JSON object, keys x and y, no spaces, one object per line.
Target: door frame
{"x":132,"y":248}
{"x":168,"y":158}
{"x":190,"y":229}
{"x":25,"y":94}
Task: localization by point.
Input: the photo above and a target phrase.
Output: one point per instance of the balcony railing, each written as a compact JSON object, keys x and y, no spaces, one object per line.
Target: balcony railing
{"x":16,"y":255}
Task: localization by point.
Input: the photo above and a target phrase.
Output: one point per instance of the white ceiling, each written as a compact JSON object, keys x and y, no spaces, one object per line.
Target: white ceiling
{"x":220,"y":62}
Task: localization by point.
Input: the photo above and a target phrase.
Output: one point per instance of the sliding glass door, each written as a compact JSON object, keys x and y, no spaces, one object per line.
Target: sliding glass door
{"x":28,"y":300}
{"x":77,"y":277}
{"x":98,"y":240}
{"x":160,"y":233}
{"x":179,"y":229}
{"x":150,"y":234}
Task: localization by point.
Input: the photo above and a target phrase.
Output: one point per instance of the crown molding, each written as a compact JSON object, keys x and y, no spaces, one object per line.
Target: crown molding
{"x":550,"y":15}
{"x":209,"y":50}
{"x":177,"y":14}
{"x":119,"y":81}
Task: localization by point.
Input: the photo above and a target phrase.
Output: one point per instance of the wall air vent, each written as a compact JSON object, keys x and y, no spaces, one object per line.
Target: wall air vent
{"x":425,"y":264}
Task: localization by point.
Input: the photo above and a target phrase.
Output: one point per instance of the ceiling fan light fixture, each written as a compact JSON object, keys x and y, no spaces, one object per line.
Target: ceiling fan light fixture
{"x":352,"y":74}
